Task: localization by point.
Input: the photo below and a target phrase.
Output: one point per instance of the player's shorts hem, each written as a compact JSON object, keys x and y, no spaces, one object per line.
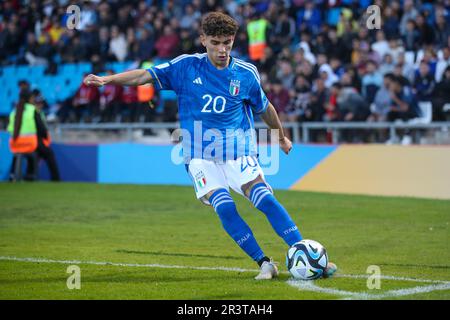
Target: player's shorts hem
{"x":202,"y":195}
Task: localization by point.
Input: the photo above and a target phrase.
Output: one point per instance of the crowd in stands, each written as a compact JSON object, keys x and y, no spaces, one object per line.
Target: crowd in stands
{"x":319,"y":60}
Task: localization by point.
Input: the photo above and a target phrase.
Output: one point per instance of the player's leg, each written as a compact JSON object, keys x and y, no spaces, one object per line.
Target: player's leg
{"x":263,"y":199}
{"x":234,"y":225}
{"x":260,"y":194}
{"x":211,"y":188}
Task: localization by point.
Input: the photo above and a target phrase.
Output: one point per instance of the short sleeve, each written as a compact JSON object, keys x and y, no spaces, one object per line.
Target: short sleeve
{"x":257,"y":98}
{"x":166,"y":75}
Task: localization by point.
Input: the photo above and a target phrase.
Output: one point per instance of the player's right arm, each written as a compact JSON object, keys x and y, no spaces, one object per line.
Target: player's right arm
{"x":129,"y":78}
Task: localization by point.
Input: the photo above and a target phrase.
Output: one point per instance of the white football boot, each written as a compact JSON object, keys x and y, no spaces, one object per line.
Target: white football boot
{"x":268,"y":271}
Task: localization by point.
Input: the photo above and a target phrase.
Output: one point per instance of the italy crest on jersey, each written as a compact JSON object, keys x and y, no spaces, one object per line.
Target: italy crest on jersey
{"x":200,"y":179}
{"x":235,"y":85}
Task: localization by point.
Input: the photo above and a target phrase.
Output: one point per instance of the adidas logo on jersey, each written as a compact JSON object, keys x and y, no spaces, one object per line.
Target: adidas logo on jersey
{"x":197,"y":81}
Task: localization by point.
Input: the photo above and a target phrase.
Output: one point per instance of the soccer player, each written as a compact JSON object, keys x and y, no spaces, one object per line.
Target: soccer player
{"x":217,"y":96}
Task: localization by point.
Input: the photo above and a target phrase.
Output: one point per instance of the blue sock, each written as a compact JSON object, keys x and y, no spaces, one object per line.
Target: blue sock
{"x":234,"y":225}
{"x":279,"y":218}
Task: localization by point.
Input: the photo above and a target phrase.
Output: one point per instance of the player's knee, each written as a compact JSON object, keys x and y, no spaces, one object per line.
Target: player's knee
{"x":260,"y":194}
{"x":221,"y":201}
{"x":246,"y":188}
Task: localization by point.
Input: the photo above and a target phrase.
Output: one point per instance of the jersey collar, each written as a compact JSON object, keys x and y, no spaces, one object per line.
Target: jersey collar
{"x":228,"y":68}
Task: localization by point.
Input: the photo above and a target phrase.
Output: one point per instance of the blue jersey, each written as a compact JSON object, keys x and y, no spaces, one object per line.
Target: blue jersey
{"x":215,"y":106}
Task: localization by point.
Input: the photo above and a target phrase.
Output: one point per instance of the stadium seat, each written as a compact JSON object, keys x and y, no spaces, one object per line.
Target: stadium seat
{"x":37,"y":71}
{"x":84,"y":67}
{"x":68,"y":68}
{"x":333,"y":16}
{"x":9,"y":72}
{"x":22,"y":72}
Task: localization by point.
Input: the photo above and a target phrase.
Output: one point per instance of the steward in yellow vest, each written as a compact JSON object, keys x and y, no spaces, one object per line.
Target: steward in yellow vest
{"x":257,"y":39}
{"x":22,"y":126}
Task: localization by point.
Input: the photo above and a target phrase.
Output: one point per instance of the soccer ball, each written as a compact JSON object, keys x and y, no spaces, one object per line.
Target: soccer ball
{"x":306,"y":260}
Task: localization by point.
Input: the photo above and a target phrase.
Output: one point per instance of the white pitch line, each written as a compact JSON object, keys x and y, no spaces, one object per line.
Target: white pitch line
{"x":118,"y":264}
{"x":232,"y":269}
{"x":310,"y":286}
{"x":394,"y":278}
{"x":302,"y":285}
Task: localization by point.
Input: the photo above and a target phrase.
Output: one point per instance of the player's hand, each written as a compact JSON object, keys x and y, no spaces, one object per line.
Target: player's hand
{"x":285,"y":145}
{"x":93,"y":80}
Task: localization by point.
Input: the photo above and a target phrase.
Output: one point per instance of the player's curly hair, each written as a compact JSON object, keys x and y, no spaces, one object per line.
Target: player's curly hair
{"x":218,"y":24}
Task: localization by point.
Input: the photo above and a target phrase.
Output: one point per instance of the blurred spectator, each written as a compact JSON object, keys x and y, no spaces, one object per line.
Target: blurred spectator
{"x":129,"y":104}
{"x":382,"y":101}
{"x":426,"y":31}
{"x":315,"y":110}
{"x":118,"y":44}
{"x":442,"y":31}
{"x":403,"y":106}
{"x":102,"y":49}
{"x":395,"y":48}
{"x":300,"y":99}
{"x":443,"y":63}
{"x":441,"y":97}
{"x":31,"y":51}
{"x":406,"y":68}
{"x":327,"y":75}
{"x":187,"y":42}
{"x":279,"y":97}
{"x":390,"y":22}
{"x":285,"y":74}
{"x":411,"y":36}
{"x":88,"y":15}
{"x":387,"y":64}
{"x":352,"y":106}
{"x":267,"y":64}
{"x":371,"y":82}
{"x":336,"y":45}
{"x":331,"y":108}
{"x":167,"y":45}
{"x":46,"y":49}
{"x":381,"y":45}
{"x":309,"y":18}
{"x":283,"y":32}
{"x":110,"y":100}
{"x":11,"y":40}
{"x":190,"y":17}
{"x":146,"y":44}
{"x":423,"y":82}
{"x":85,"y":102}
{"x":124,"y":18}
{"x":409,"y":14}
{"x":133,"y":45}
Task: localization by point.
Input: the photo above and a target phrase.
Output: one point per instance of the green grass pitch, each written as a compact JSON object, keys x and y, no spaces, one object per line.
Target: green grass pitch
{"x":143,"y":232}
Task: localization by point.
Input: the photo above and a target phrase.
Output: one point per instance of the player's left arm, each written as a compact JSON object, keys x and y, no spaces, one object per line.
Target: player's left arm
{"x":270,"y":117}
